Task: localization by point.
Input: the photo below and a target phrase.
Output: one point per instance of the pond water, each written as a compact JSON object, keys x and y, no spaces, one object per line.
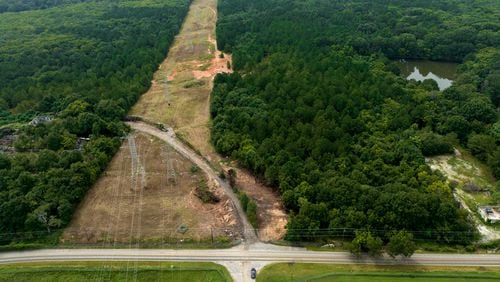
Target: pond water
{"x":442,"y":73}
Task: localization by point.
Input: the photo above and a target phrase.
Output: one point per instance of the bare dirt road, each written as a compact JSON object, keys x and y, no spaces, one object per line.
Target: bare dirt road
{"x":169,"y":137}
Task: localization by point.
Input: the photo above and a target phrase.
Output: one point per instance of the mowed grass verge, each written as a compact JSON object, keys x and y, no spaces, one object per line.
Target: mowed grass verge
{"x":331,"y":272}
{"x":114,"y":271}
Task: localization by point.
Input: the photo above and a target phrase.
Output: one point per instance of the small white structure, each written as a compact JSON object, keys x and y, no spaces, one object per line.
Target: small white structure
{"x":41,"y":120}
{"x":490,"y":214}
{"x":80,"y":143}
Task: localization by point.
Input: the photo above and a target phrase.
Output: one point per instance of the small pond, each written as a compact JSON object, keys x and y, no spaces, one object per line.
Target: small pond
{"x":441,"y":72}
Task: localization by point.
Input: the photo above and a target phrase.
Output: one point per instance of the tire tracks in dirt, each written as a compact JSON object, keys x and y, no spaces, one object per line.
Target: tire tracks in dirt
{"x":169,"y":137}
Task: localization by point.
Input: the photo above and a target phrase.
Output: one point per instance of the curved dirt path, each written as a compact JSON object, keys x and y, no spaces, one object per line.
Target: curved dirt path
{"x":180,"y":98}
{"x":169,"y":137}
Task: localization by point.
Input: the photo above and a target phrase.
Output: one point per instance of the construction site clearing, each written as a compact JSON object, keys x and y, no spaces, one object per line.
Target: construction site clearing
{"x":148,"y":194}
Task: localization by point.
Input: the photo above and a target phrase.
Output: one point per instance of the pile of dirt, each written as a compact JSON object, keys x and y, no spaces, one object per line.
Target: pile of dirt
{"x":221,"y":63}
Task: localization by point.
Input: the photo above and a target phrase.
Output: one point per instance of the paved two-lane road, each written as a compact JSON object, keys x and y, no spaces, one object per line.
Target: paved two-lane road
{"x":240,"y":259}
{"x":253,"y":253}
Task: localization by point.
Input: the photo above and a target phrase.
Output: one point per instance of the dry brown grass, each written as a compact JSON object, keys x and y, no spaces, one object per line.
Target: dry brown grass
{"x":180,"y":92}
{"x":193,"y":60}
{"x":180,"y":97}
{"x":120,"y":210}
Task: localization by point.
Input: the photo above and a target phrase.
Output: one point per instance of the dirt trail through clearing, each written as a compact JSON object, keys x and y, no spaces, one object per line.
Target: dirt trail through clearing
{"x":121,"y":210}
{"x":271,"y":214}
{"x":180,"y":98}
{"x":169,"y":137}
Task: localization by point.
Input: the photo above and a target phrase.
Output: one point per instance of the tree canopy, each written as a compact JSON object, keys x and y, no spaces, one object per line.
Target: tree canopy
{"x":24,"y":5}
{"x":77,"y":67}
{"x":317,"y":109}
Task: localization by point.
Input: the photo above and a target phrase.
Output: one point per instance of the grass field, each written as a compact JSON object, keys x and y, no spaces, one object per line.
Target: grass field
{"x":114,"y":271}
{"x":401,"y":277}
{"x":146,"y":199}
{"x":329,"y":272}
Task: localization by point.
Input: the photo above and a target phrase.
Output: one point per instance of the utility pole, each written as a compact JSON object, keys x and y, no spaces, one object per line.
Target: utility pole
{"x":212,"y":234}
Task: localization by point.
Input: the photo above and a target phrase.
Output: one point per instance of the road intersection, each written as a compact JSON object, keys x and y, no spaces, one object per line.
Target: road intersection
{"x":240,"y":259}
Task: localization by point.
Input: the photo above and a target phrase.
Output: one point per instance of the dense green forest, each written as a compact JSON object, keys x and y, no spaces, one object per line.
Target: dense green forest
{"x":318,"y":110}
{"x":83,"y":65}
{"x":420,"y":29}
{"x":24,"y":5}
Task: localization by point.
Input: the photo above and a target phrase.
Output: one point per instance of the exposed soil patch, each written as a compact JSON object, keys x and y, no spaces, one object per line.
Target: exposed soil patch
{"x":457,"y":168}
{"x":471,"y":178}
{"x":148,"y":198}
{"x":442,"y":164}
{"x":271,"y":214}
{"x":221,"y":63}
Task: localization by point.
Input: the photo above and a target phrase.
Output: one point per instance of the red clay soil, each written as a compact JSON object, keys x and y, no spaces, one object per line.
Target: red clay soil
{"x":218,"y":65}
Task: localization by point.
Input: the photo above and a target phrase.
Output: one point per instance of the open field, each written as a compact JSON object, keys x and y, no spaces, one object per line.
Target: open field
{"x":330,"y":272}
{"x":114,"y":271}
{"x":180,"y":91}
{"x":180,"y":97}
{"x":149,"y":198}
